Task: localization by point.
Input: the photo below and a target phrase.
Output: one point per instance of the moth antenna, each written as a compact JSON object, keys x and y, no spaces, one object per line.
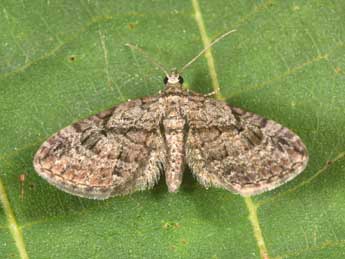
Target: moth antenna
{"x":205,"y":49}
{"x":148,"y":58}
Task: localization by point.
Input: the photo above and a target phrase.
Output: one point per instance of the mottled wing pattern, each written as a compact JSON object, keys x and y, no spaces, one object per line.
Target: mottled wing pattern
{"x":238,"y":150}
{"x":112,"y":153}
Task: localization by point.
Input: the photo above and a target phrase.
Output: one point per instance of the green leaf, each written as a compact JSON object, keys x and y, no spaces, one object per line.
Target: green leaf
{"x":63,"y":61}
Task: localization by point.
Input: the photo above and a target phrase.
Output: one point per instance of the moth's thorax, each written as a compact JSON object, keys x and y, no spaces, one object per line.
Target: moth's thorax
{"x":173,"y":89}
{"x":175,"y":101}
{"x":173,"y":120}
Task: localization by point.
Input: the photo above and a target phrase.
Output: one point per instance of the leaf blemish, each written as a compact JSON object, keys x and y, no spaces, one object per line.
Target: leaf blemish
{"x":72,"y":58}
{"x":184,"y":242}
{"x":171,"y":225}
{"x":131,"y":26}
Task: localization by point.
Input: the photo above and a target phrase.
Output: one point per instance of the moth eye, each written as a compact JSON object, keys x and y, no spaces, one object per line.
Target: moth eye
{"x":180,"y":80}
{"x":165,"y":80}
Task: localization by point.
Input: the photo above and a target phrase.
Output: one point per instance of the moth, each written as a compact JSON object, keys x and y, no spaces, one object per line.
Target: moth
{"x":130,"y":146}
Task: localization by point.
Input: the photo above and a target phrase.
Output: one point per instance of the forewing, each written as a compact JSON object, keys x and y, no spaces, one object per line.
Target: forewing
{"x":240,"y":151}
{"x":115,"y":152}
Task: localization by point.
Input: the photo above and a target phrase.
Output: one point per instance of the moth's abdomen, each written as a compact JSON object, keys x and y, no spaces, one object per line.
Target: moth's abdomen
{"x":174,"y":136}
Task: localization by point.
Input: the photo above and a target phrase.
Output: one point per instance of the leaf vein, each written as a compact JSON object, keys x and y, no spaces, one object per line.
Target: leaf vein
{"x":12,"y":223}
{"x":252,"y":208}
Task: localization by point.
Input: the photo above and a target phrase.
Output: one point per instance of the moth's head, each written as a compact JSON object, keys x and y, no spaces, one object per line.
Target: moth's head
{"x":173,"y":79}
